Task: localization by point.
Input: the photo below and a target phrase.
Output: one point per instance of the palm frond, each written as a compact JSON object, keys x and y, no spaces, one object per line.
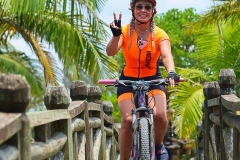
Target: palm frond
{"x":77,"y":34}
{"x":19,"y":63}
{"x":228,"y":11}
{"x":186,"y":99}
{"x":41,"y":54}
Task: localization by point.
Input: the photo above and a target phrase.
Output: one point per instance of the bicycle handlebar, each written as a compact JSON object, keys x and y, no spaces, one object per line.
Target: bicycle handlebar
{"x":129,"y":82}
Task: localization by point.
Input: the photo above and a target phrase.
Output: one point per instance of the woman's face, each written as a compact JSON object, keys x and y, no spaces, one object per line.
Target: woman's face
{"x":143,"y":10}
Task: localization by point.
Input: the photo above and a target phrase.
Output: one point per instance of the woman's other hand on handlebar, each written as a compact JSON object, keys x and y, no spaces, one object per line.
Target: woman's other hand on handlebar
{"x":173,"y":77}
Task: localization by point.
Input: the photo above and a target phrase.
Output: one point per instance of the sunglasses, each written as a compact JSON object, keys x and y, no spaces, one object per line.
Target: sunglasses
{"x":147,"y":8}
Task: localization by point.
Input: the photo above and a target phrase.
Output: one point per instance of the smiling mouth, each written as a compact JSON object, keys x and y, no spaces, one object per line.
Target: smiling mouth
{"x":142,"y":16}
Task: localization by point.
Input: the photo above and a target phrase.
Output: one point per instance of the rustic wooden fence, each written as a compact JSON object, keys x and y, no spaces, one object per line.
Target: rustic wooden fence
{"x":76,"y":128}
{"x":218,"y":131}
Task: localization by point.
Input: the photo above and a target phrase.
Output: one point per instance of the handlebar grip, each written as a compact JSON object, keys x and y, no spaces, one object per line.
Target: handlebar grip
{"x":106,"y":81}
{"x":181,"y":79}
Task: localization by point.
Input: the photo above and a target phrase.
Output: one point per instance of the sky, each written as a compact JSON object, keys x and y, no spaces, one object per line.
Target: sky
{"x":123,"y":6}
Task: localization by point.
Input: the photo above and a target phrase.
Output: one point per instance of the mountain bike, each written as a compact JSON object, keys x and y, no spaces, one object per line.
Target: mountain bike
{"x":143,"y":144}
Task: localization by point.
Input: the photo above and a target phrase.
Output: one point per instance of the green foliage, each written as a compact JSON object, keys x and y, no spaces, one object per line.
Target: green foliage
{"x":182,"y":45}
{"x":218,"y":43}
{"x":186,"y":99}
{"x":71,"y":27}
{"x":214,"y":44}
{"x":191,"y":97}
{"x":14,"y":62}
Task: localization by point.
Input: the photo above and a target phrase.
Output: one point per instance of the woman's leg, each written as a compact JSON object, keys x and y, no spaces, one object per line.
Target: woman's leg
{"x":125,"y":135}
{"x":160,"y":117}
{"x":160,"y":124}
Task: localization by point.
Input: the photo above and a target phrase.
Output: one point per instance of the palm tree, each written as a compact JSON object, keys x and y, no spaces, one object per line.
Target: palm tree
{"x":217,"y":46}
{"x":72,"y":27}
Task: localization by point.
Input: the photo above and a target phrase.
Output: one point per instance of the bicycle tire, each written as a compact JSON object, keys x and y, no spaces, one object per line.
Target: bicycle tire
{"x":144,"y":139}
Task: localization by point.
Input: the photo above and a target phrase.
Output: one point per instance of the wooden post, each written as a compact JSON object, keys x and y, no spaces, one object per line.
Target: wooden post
{"x":108,"y":110}
{"x":24,"y":142}
{"x":14,"y":93}
{"x":94,"y":96}
{"x":236,"y":141}
{"x":15,"y":97}
{"x":227,"y":81}
{"x":58,"y":98}
{"x":79,"y":92}
{"x":211,"y":90}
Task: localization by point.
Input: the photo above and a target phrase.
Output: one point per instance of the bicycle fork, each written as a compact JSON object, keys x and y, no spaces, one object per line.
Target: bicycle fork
{"x":135,"y":132}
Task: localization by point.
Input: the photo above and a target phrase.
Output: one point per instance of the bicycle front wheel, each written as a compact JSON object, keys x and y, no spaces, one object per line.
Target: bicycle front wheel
{"x":144,"y":139}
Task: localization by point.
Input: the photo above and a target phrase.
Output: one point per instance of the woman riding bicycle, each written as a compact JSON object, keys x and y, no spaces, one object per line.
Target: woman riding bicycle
{"x":142,"y":44}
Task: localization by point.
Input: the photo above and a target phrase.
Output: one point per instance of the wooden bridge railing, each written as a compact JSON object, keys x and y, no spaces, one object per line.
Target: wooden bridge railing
{"x":80,"y":129}
{"x":218,"y":132}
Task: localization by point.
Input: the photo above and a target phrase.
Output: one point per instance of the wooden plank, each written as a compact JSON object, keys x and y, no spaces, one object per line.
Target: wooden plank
{"x":76,"y":107}
{"x":10,"y":124}
{"x":78,"y":125}
{"x":41,"y":150}
{"x":103,"y":143}
{"x":89,"y":135}
{"x":68,"y":148}
{"x":213,"y":102}
{"x":206,"y":135}
{"x":108,"y":119}
{"x":214,"y":119}
{"x":94,"y":107}
{"x":97,"y":136}
{"x":44,"y":117}
{"x":24,"y":139}
{"x":236,"y":155}
{"x":231,"y":102}
{"x":102,"y":149}
{"x":232,"y":120}
{"x":75,"y":145}
{"x":81,"y":146}
{"x":94,"y":122}
{"x":109,"y":131}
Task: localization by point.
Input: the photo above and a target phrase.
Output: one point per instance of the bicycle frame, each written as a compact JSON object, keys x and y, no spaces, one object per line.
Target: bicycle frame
{"x":142,"y":116}
{"x":140,"y":94}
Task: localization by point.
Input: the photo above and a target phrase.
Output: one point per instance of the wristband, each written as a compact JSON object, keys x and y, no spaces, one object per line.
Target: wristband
{"x":172,"y":71}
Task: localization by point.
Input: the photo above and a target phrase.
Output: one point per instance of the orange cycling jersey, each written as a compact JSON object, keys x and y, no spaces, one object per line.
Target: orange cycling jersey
{"x":141,"y":63}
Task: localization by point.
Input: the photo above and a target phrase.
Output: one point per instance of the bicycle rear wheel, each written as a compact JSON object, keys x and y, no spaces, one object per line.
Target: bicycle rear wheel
{"x":144,"y":139}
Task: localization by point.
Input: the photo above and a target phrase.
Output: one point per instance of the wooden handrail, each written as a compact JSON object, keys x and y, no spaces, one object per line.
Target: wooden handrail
{"x":79,"y":129}
{"x":220,"y":124}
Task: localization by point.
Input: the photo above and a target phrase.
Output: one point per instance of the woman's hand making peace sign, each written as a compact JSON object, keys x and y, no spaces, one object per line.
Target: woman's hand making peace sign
{"x":115,"y":26}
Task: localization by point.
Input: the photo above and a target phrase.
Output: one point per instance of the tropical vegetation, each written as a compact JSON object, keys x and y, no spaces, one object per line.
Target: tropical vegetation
{"x":71,"y":28}
{"x":214,"y":44}
{"x":201,"y":46}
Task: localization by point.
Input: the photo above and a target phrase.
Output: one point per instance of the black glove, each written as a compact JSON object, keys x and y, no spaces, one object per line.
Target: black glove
{"x":116,"y":31}
{"x":173,"y":75}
